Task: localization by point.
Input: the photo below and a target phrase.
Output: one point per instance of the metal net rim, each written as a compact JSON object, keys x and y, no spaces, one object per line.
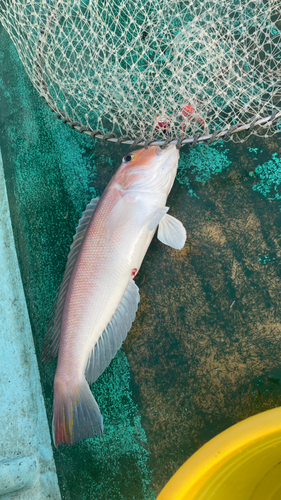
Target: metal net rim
{"x":224,"y":133}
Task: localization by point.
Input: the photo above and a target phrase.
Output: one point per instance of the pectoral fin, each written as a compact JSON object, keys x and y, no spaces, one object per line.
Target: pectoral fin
{"x":123,"y":211}
{"x":171,"y":232}
{"x":157,"y":216}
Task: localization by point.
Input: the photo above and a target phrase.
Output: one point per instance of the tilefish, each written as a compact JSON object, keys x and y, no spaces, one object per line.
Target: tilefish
{"x":98,"y":298}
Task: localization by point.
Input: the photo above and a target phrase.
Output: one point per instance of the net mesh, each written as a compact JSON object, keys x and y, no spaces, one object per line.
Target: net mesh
{"x":153,"y":69}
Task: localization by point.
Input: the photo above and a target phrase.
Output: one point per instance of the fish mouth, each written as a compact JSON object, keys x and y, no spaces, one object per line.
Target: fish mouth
{"x":168,"y":150}
{"x":168,"y":155}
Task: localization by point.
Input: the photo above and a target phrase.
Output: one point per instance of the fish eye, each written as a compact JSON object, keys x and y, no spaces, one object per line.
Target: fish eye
{"x":128,"y":158}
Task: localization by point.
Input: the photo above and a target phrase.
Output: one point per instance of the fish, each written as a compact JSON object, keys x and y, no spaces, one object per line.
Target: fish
{"x":98,"y":298}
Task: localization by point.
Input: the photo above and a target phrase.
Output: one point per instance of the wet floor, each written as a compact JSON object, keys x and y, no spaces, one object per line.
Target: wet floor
{"x":204,"y":351}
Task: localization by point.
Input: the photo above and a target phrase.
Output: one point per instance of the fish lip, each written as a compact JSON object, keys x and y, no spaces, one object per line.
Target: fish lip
{"x":170,"y":148}
{"x":166,"y":154}
{"x":168,"y":161}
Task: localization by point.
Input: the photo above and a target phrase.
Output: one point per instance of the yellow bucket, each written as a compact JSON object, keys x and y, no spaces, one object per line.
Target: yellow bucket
{"x":241,"y":463}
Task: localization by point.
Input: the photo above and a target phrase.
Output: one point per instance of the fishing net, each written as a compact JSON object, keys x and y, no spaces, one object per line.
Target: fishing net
{"x":147,"y":70}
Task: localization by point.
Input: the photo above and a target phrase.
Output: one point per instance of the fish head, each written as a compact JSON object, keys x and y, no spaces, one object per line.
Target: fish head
{"x":151,"y":168}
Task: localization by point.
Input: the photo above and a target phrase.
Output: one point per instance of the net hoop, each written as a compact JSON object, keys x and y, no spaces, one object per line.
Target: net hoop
{"x":209,"y":138}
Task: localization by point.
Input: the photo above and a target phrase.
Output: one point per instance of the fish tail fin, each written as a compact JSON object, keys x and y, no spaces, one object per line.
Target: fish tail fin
{"x":76,"y":414}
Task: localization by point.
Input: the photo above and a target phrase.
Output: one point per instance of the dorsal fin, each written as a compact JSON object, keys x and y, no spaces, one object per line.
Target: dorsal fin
{"x":114,"y":334}
{"x":51,"y":346}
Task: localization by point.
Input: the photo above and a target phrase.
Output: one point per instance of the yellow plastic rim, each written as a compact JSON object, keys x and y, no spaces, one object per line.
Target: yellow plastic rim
{"x":241,"y":463}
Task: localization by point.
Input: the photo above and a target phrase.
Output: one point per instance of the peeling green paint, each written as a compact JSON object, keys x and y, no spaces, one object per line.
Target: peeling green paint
{"x":201,"y":163}
{"x":269,"y":178}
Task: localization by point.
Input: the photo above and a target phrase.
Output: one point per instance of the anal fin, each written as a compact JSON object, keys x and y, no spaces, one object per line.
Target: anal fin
{"x":114,"y":334}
